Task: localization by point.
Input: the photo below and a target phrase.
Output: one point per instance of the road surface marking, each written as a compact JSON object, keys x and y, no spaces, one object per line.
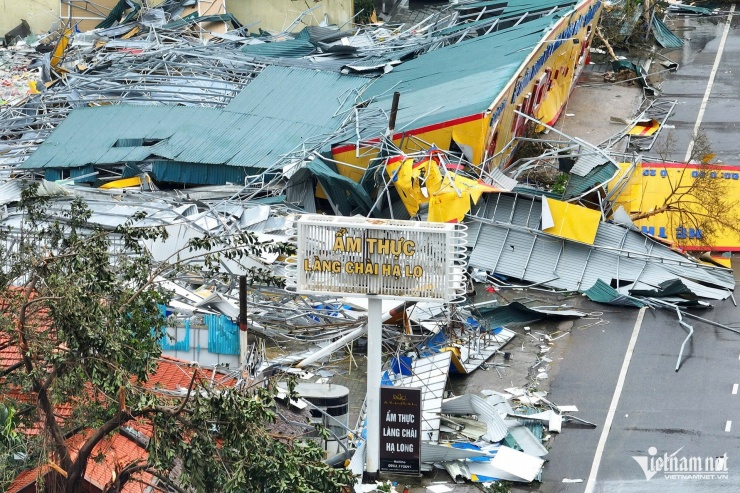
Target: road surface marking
{"x":591,"y":483}
{"x":712,"y":74}
{"x":734,"y":389}
{"x":728,"y":426}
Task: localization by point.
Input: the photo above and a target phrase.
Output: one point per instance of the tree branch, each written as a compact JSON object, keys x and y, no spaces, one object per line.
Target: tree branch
{"x":44,"y":402}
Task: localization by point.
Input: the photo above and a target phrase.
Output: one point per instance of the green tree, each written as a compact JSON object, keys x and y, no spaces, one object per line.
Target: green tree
{"x":12,"y":447}
{"x":80,"y":309}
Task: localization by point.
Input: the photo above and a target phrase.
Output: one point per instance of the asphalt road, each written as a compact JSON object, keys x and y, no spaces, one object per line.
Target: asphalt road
{"x":706,"y":86}
{"x":692,"y":414}
{"x":686,"y":412}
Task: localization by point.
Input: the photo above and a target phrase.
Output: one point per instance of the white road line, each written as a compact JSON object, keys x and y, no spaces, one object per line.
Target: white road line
{"x":712,"y":74}
{"x":591,"y":483}
{"x":734,"y":389}
{"x":728,"y":426}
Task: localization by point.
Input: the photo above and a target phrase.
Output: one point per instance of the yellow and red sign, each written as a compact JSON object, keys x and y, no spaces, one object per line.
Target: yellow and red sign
{"x":653,"y":185}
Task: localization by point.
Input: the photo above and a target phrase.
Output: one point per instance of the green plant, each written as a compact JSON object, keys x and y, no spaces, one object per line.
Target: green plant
{"x":497,"y":487}
{"x":560,"y":183}
{"x":363,"y":10}
{"x":81,"y":311}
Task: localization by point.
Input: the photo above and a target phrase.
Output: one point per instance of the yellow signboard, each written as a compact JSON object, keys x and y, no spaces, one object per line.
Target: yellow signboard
{"x":570,"y":221}
{"x":673,"y":186}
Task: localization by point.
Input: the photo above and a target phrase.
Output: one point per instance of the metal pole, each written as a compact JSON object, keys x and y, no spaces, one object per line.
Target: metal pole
{"x":394,"y":112}
{"x":374,"y":354}
{"x":242,"y":320}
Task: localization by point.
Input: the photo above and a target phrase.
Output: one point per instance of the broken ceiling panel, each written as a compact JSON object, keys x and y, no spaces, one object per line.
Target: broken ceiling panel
{"x":510,"y":245}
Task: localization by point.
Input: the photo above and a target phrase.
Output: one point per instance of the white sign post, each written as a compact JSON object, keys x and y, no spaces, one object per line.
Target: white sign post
{"x":380,"y":259}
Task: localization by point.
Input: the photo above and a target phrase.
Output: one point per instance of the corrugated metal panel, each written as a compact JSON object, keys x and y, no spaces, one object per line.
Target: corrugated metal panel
{"x":521,"y":210}
{"x":291,"y":48}
{"x":618,"y":253}
{"x":587,"y":162}
{"x":703,"y":275}
{"x":664,"y":36}
{"x":10,"y":191}
{"x":300,"y":95}
{"x":223,"y":334}
{"x":654,"y":275}
{"x":429,"y":373}
{"x":269,"y":119}
{"x":88,"y":134}
{"x":172,"y":171}
{"x":440,"y":453}
{"x":500,"y":179}
{"x":522,"y":6}
{"x":457,"y":80}
{"x":473,"y":225}
{"x":577,"y":185}
{"x":474,"y":404}
{"x":601,"y":292}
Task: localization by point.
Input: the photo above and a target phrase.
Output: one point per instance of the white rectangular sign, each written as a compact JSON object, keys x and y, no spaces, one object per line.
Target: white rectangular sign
{"x":383,"y":258}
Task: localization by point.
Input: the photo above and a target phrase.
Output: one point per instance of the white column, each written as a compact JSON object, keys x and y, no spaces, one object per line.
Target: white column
{"x":374,"y":355}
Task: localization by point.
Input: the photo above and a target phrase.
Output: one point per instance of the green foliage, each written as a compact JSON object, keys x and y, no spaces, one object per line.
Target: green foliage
{"x":12,"y":448}
{"x":363,"y":11}
{"x":498,"y":487}
{"x":80,"y":303}
{"x":561,"y":181}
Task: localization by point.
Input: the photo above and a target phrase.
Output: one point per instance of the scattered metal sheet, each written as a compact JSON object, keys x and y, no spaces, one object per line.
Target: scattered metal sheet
{"x":516,"y":312}
{"x":517,"y":464}
{"x":473,"y":404}
{"x":601,"y":292}
{"x":510,"y":244}
{"x":431,"y":452}
{"x":429,"y":373}
{"x":530,"y":444}
{"x":664,"y":36}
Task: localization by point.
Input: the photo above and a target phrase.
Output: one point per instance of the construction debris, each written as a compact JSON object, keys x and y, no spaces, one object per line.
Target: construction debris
{"x":202,"y":125}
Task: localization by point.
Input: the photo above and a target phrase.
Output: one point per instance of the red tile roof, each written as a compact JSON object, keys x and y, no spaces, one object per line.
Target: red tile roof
{"x":115,"y":452}
{"x":118,"y":450}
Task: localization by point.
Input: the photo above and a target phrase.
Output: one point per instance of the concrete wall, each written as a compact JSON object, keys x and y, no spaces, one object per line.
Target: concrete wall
{"x":276,"y":15}
{"x":40,"y":14}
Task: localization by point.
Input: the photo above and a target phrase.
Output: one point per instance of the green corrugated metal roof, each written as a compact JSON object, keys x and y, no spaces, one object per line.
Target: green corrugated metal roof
{"x":601,"y":292}
{"x":458,"y":80}
{"x":580,"y":184}
{"x":293,"y":48}
{"x":346,"y":195}
{"x":664,"y":36}
{"x":298,"y":47}
{"x":517,"y":7}
{"x":272,"y":116}
{"x":301,"y":95}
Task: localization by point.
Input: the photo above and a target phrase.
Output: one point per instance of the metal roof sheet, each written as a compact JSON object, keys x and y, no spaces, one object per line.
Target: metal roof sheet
{"x":293,"y":48}
{"x":457,"y":80}
{"x":586,"y":162}
{"x":601,"y":292}
{"x":509,"y":244}
{"x":298,"y":94}
{"x":664,"y":36}
{"x":474,"y":404}
{"x":270,"y":118}
{"x":578,"y":185}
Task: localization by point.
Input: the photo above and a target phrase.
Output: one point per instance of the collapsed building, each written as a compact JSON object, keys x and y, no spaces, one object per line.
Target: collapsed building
{"x":420,"y":122}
